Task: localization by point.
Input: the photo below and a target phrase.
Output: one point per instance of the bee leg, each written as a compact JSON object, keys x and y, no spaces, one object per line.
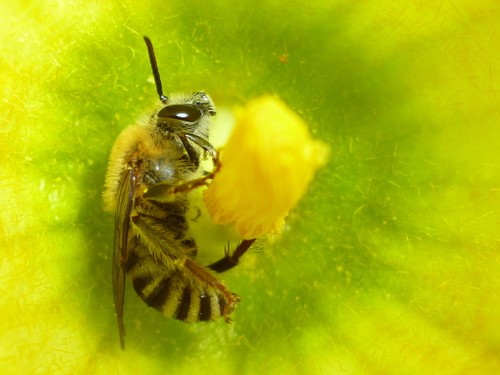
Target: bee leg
{"x":193,"y":184}
{"x":192,"y":154}
{"x":201,"y":273}
{"x":229,"y":261}
{"x":162,"y":192}
{"x":166,"y":193}
{"x":204,"y":144}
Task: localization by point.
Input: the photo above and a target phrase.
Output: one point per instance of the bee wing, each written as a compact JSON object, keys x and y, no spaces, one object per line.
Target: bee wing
{"x":125,"y":199}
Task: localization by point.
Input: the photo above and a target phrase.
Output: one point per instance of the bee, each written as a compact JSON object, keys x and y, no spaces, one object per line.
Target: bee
{"x":152,"y":168}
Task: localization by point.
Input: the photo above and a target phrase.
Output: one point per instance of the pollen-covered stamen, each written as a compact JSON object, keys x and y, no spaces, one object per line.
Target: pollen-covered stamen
{"x":267,"y":165}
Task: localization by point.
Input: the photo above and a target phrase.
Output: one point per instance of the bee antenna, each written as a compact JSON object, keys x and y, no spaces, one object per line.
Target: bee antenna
{"x":154,"y":68}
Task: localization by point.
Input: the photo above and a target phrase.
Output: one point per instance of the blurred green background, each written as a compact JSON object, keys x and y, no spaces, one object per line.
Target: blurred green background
{"x":390,"y":264}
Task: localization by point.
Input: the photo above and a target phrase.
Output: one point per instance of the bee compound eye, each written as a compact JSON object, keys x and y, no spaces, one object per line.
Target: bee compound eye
{"x":181,"y":112}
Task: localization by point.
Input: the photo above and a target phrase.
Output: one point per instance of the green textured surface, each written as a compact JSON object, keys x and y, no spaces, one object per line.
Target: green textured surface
{"x":389,"y":265}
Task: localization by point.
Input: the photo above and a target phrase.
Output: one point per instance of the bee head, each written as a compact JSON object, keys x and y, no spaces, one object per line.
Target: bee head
{"x":185,"y":113}
{"x":185,"y":117}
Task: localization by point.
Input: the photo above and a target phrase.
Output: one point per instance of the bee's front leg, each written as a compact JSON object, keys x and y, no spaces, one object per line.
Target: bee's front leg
{"x":166,"y":193}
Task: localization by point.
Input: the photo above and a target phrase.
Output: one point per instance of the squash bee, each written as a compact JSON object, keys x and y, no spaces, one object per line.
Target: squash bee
{"x":152,"y":168}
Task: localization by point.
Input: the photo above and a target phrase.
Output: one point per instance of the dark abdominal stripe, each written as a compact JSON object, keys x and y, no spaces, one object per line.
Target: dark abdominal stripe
{"x":174,"y":296}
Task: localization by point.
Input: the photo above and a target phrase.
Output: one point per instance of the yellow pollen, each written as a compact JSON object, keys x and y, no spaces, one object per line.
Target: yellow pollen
{"x":266,"y":167}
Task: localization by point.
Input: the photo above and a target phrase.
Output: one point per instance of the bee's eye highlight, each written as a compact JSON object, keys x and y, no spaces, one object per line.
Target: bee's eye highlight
{"x":181,"y":112}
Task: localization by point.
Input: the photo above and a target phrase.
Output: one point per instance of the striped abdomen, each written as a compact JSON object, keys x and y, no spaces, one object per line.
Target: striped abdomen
{"x":179,"y":288}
